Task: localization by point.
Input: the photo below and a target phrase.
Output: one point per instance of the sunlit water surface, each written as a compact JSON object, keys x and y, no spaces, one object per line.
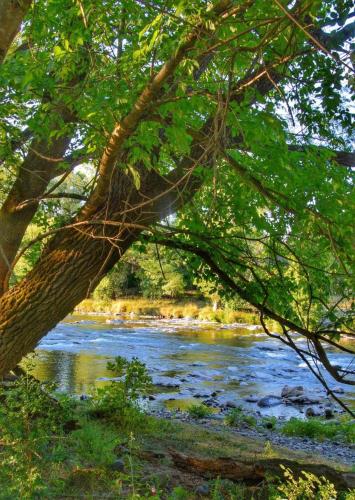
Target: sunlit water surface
{"x":199,"y":358}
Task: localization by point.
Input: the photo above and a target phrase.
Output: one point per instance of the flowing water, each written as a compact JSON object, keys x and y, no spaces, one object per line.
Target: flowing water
{"x":188,"y":360}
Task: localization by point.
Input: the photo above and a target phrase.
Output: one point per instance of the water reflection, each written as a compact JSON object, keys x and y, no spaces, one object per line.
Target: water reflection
{"x":197,"y":358}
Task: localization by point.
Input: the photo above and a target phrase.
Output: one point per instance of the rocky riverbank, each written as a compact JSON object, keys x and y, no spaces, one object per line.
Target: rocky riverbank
{"x":336,"y":451}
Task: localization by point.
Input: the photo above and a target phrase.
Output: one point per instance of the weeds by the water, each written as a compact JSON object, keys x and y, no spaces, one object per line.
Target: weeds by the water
{"x":168,"y":308}
{"x":199,"y":411}
{"x":237,"y":417}
{"x":315,"y":428}
{"x":56,"y":448}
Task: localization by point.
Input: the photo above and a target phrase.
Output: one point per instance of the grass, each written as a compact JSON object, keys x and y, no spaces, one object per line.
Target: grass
{"x":167,"y":308}
{"x":79,"y":464}
{"x":62,"y":448}
{"x":236,"y":417}
{"x":319,"y":429}
{"x":199,"y":411}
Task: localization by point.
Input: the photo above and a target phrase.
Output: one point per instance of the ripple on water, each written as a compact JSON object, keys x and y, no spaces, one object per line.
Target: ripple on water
{"x":235,"y":359}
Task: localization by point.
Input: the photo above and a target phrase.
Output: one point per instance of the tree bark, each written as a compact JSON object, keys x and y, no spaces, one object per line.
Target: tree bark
{"x":33,"y":178}
{"x":12,"y":13}
{"x":76,"y":258}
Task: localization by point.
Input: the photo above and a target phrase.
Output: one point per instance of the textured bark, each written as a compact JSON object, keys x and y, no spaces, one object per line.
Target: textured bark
{"x":12,"y":13}
{"x":77,"y":258}
{"x":15,"y":214}
{"x":74,"y":261}
{"x":38,"y":168}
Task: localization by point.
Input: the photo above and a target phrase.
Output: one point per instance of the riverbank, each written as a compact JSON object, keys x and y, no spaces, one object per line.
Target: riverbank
{"x":68,"y":449}
{"x":182,"y":308}
{"x":271,"y":431}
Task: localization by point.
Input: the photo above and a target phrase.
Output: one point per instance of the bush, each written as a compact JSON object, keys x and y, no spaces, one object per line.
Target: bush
{"x":29,"y":419}
{"x":306,"y":487}
{"x":120,"y":398}
{"x":93,"y":445}
{"x":199,"y":411}
{"x":269,"y":422}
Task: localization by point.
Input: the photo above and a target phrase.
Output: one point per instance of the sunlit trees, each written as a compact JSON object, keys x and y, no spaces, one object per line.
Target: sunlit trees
{"x":233,"y":114}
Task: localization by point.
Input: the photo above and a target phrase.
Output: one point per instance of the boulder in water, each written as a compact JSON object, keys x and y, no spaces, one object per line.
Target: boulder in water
{"x":268,"y":401}
{"x":251,"y":399}
{"x":291,"y":392}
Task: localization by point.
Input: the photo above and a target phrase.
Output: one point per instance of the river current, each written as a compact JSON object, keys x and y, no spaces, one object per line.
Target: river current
{"x":187,"y":360}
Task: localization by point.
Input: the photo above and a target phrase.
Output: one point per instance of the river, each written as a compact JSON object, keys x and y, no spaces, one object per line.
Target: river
{"x":188,"y":360}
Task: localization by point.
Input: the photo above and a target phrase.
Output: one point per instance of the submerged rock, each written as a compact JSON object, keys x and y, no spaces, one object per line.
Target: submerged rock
{"x":251,"y":399}
{"x":268,"y":401}
{"x":289,"y":392}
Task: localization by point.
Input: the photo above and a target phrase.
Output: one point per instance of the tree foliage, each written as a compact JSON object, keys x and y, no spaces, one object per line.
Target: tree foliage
{"x":234,"y":115}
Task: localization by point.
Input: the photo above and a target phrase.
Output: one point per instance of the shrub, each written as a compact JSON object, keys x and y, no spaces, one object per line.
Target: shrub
{"x":306,"y":487}
{"x":29,"y":418}
{"x":199,"y":411}
{"x":120,"y":398}
{"x":269,"y":422}
{"x":93,"y":445}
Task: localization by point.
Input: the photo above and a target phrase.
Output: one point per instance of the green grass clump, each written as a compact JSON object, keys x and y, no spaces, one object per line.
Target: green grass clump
{"x":319,"y":429}
{"x":237,"y":417}
{"x":199,"y":411}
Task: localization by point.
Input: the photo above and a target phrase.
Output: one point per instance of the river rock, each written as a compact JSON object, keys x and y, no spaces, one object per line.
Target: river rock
{"x":202,"y":490}
{"x":118,"y":465}
{"x":268,"y":401}
{"x":230,"y":404}
{"x":289,"y":392}
{"x":302,"y":400}
{"x":313,"y":412}
{"x":201,"y":395}
{"x":251,"y":399}
{"x":328,"y":413}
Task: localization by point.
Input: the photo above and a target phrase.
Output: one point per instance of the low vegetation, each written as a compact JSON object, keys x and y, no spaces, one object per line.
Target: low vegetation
{"x":106,"y":447}
{"x":199,"y":411}
{"x":187,"y":307}
{"x":237,"y":417}
{"x":340,"y":430}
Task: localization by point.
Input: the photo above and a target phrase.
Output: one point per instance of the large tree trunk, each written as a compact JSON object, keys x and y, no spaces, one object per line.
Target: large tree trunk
{"x":75,"y":260}
{"x":22,"y":202}
{"x":12,"y":13}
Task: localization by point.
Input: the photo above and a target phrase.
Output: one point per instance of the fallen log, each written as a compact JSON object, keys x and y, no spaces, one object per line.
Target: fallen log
{"x":255,"y":472}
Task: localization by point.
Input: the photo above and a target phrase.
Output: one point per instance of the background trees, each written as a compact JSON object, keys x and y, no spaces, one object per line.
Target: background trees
{"x":235,"y":115}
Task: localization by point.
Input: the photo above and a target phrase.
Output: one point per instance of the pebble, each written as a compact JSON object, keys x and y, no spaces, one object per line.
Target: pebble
{"x":202,"y":489}
{"x":118,"y":465}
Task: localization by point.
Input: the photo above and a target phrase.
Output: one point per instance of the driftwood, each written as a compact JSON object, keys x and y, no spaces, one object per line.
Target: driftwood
{"x":255,"y":472}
